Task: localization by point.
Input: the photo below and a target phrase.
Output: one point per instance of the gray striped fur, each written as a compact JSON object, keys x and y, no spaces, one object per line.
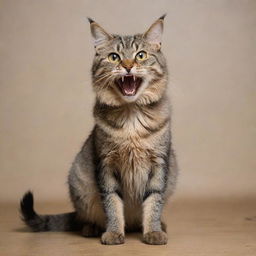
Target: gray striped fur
{"x":126,"y":169}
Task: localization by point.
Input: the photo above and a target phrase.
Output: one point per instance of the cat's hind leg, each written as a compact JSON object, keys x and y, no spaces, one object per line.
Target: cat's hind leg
{"x":83,"y":189}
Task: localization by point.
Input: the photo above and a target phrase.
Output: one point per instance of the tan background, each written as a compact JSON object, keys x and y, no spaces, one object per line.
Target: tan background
{"x":46,"y":97}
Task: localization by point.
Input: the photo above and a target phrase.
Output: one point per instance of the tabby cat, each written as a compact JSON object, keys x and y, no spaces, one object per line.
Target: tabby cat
{"x":126,"y":169}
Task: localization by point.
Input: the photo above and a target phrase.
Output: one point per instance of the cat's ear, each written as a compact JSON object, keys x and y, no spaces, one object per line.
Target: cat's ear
{"x":154,"y":34}
{"x":99,"y":35}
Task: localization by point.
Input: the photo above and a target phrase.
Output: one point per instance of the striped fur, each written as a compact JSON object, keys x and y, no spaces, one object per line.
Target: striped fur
{"x":126,"y":170}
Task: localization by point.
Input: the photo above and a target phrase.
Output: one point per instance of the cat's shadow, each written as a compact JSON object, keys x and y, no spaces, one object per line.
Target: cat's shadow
{"x":22,"y":230}
{"x":136,"y":235}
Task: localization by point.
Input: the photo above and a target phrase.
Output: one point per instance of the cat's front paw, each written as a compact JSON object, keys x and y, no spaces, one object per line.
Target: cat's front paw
{"x":112,"y":238}
{"x":155,"y":237}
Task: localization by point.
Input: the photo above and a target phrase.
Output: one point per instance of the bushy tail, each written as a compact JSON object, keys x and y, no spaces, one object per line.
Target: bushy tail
{"x":59,"y":222}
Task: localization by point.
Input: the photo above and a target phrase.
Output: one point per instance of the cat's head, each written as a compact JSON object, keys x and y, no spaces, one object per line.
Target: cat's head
{"x":128,"y":68}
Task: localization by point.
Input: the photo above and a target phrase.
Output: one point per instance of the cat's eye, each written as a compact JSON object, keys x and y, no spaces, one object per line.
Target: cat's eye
{"x":142,"y":55}
{"x":114,"y":57}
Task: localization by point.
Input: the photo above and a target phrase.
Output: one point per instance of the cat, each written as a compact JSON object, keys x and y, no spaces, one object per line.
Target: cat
{"x":126,"y":170}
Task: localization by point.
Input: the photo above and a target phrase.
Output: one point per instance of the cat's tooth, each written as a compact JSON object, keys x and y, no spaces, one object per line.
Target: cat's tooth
{"x":122,"y":79}
{"x":134,"y":78}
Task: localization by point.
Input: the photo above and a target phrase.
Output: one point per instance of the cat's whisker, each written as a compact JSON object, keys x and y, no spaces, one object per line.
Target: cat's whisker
{"x":101,"y":78}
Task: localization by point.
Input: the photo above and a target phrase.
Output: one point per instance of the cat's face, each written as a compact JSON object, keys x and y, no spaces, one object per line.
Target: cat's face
{"x":128,"y":68}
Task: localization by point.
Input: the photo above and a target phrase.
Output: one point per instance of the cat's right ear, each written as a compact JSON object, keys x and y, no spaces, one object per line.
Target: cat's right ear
{"x":99,"y":35}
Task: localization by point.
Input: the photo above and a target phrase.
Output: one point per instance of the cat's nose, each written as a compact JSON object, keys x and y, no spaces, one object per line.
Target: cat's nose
{"x":128,"y":64}
{"x":128,"y":70}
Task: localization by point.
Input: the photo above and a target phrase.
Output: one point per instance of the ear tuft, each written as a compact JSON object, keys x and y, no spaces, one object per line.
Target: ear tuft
{"x":90,"y":20}
{"x":162,"y":17}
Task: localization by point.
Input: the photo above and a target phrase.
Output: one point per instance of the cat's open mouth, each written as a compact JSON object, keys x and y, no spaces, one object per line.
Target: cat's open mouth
{"x":129,"y":84}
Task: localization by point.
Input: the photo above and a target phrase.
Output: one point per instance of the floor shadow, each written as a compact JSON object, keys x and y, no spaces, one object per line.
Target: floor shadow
{"x":28,"y":230}
{"x":136,"y":235}
{"x":22,"y":230}
{"x":253,"y":218}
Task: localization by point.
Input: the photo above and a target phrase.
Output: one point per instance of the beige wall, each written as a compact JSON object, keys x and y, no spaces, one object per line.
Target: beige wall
{"x":46,"y":97}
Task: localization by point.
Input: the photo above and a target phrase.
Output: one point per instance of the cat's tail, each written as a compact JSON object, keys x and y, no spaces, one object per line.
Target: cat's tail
{"x":58,"y":222}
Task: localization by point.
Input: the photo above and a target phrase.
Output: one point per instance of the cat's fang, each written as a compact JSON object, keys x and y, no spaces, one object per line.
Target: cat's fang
{"x":128,"y":84}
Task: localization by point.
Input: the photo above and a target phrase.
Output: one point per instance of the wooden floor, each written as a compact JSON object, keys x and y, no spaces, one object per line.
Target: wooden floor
{"x":198,"y":227}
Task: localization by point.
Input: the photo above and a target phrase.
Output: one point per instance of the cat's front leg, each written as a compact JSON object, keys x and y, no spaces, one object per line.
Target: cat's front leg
{"x":153,"y":230}
{"x":113,"y":207}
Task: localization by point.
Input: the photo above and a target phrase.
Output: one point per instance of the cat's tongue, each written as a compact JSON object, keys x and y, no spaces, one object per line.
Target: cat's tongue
{"x":129,"y":85}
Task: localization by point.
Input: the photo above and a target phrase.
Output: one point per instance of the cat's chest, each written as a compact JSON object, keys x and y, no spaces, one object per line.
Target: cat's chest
{"x":131,"y":152}
{"x":132,"y":161}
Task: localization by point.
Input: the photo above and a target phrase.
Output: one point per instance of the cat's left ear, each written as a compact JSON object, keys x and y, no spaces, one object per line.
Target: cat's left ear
{"x":154,"y":34}
{"x":100,"y":36}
